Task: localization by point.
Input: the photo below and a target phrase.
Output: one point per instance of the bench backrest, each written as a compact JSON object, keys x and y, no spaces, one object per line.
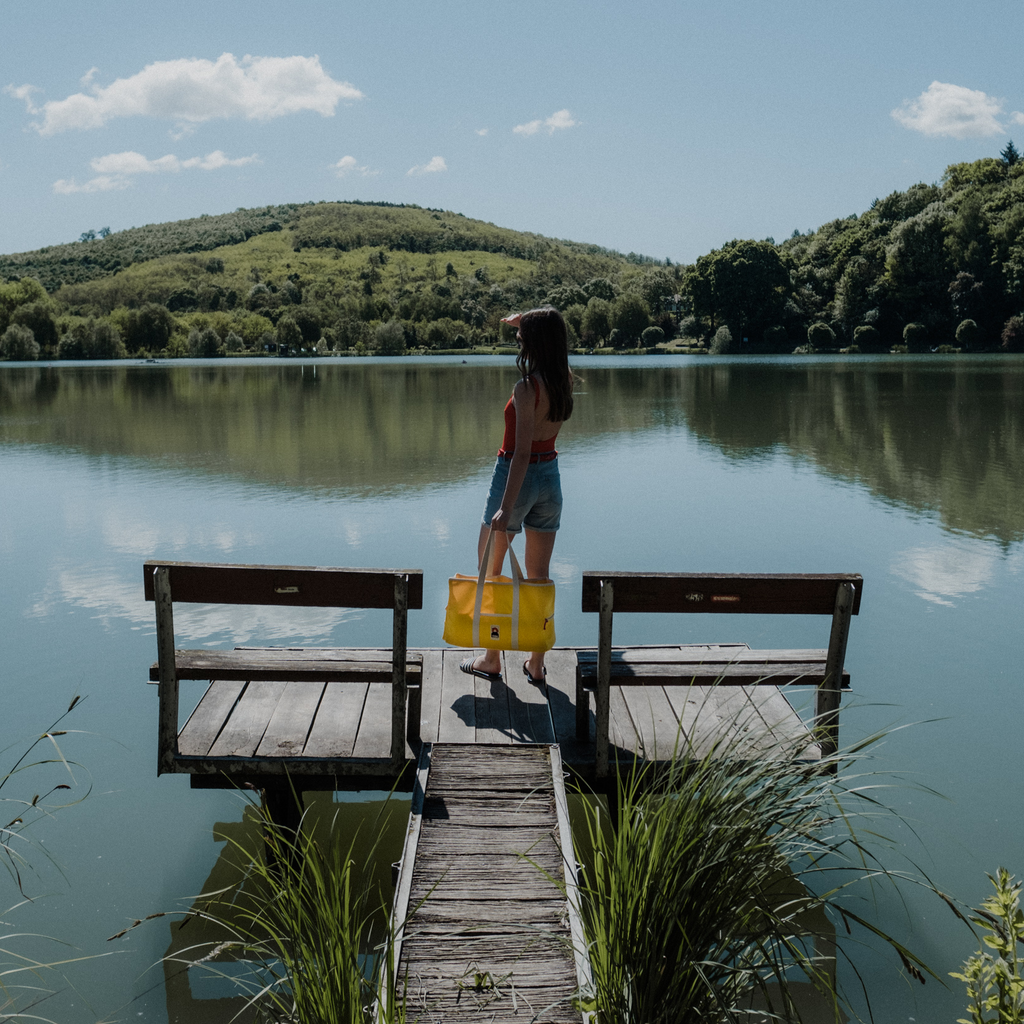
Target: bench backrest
{"x":286,"y":585}
{"x":721,"y":593}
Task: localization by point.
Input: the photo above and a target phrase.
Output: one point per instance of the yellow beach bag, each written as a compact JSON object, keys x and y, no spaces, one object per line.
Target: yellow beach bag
{"x":498,"y":612}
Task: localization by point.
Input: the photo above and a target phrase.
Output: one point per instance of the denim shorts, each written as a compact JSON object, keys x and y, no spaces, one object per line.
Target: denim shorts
{"x":539,"y":505}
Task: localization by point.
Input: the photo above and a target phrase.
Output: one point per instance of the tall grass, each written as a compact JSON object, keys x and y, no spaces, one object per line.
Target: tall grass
{"x":40,"y":782}
{"x":706,"y":894}
{"x":301,"y":919}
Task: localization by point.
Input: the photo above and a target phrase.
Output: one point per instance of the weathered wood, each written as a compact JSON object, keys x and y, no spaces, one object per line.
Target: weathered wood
{"x":291,"y":721}
{"x":205,"y":723}
{"x":605,"y":608}
{"x":476,"y":904}
{"x":333,"y":732}
{"x":286,"y":585}
{"x":167,"y":735}
{"x":287,"y":665}
{"x":430,"y":684}
{"x":244,"y":729}
{"x":720,"y":593}
{"x":457,"y":719}
{"x":399,"y":696}
{"x":746,"y":673}
{"x":827,"y":709}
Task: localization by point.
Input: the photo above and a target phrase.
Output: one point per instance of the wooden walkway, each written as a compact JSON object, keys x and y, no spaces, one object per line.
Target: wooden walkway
{"x":313,"y":727}
{"x":484,"y":933}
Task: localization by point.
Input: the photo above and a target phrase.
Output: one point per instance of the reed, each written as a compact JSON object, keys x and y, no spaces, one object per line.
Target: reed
{"x":705,"y":896}
{"x":301,"y":919}
{"x":40,"y":782}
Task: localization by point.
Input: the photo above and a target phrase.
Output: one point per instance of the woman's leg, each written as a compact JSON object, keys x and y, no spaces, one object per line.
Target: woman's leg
{"x":490,"y":661}
{"x":538,"y":565}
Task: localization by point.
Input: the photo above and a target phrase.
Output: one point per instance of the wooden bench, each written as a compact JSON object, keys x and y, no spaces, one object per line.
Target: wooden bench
{"x":724,"y":593}
{"x":244,"y":675}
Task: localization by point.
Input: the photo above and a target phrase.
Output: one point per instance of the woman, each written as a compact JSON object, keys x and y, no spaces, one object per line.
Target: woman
{"x":525,"y":488}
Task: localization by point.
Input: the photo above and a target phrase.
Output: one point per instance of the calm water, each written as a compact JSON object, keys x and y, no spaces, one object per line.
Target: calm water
{"x":909,"y":472}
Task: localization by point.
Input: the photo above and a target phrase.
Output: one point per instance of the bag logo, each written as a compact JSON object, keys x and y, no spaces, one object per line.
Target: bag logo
{"x":495,"y":633}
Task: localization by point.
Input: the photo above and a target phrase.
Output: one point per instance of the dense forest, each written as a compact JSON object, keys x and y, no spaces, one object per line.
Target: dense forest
{"x":935,"y":268}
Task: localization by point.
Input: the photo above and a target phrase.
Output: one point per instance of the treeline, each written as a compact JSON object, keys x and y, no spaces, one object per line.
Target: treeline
{"x":938,"y":267}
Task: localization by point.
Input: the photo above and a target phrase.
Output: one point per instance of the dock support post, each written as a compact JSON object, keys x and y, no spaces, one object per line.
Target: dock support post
{"x":167,"y":735}
{"x":829,"y":691}
{"x":602,"y":696}
{"x":398,"y":672}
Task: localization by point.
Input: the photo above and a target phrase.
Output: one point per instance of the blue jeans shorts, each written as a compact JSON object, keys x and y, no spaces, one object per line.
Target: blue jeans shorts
{"x":539,"y":505}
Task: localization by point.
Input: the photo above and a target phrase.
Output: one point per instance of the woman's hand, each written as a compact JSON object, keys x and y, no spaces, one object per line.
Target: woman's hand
{"x":499,"y":521}
{"x":512,"y":319}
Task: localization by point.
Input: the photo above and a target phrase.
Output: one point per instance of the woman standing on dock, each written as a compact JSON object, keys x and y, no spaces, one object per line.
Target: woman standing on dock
{"x":525,"y":486}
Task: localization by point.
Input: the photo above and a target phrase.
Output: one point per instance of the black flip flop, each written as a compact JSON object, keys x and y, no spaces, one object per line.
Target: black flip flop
{"x":467,"y":667}
{"x":532,"y":679}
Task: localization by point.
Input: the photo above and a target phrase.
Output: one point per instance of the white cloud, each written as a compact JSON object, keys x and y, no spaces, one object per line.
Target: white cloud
{"x":952,"y":110}
{"x":347,"y":164}
{"x":1017,"y":117}
{"x":943,"y":573}
{"x":482,"y":131}
{"x":190,"y":91}
{"x":558,"y":120}
{"x":435,"y":165}
{"x":116,"y":169}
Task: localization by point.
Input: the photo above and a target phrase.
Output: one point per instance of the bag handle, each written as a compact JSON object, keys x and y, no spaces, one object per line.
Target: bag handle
{"x":517,"y":576}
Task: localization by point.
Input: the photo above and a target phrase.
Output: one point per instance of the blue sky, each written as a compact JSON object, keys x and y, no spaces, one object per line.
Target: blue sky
{"x":665,"y":128}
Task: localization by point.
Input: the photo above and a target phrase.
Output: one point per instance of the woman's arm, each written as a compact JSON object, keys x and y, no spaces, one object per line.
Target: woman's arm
{"x":524,"y":399}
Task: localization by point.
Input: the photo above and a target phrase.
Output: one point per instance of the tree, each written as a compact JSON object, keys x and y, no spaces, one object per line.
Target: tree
{"x":820,"y":336}
{"x":968,"y":335}
{"x":289,"y":337}
{"x":1010,"y":155}
{"x":149,"y":328}
{"x":38,"y":318}
{"x":867,"y":338}
{"x":18,"y":344}
{"x":744,"y":284}
{"x":915,"y":337}
{"x":106,"y":341}
{"x":204,"y":344}
{"x":595,"y":324}
{"x":722,"y":341}
{"x":652,"y":336}
{"x":1012,"y":336}
{"x":631,"y":316}
{"x":389,"y":339}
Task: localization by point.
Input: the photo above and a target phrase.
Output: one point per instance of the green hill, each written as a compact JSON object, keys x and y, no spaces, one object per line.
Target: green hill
{"x":937,"y":266}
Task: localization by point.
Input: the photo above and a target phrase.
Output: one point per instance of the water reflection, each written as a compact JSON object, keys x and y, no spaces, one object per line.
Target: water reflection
{"x":945,"y":572}
{"x":942,"y":437}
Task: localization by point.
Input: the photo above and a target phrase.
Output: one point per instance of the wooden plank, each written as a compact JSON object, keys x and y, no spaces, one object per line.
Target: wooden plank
{"x":292,"y":719}
{"x":457,"y":716}
{"x":430,"y":713}
{"x":285,"y":585}
{"x":336,"y":725}
{"x":561,"y":694}
{"x":285,"y":665}
{"x":654,"y":721}
{"x":746,"y":673}
{"x":785,"y":725}
{"x":205,"y":723}
{"x":721,"y":593}
{"x":713,"y":718}
{"x":244,"y":730}
{"x":529,"y":717}
{"x":374,"y":736}
{"x":700,"y":654}
{"x":491,"y":710}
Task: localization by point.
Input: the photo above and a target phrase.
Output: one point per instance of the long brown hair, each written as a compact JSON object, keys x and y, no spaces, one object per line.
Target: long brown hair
{"x":545,"y":351}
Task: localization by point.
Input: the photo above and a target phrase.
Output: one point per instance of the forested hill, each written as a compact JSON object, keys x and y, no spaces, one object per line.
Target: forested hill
{"x":344,"y":226}
{"x":936,"y":266}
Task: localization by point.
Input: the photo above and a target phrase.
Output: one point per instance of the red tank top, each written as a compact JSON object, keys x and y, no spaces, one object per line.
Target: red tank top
{"x":508,"y":442}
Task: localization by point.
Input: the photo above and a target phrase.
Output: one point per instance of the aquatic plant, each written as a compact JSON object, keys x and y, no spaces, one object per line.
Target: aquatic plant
{"x":300,"y":919}
{"x":995,"y":986}
{"x":705,"y":897}
{"x":55,"y":783}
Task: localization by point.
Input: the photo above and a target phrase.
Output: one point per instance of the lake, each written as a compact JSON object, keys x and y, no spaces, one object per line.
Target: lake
{"x":909,"y":471}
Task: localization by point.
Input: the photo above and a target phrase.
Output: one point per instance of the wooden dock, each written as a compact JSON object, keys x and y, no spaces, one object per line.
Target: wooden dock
{"x":317,"y":729}
{"x":483,"y":932}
